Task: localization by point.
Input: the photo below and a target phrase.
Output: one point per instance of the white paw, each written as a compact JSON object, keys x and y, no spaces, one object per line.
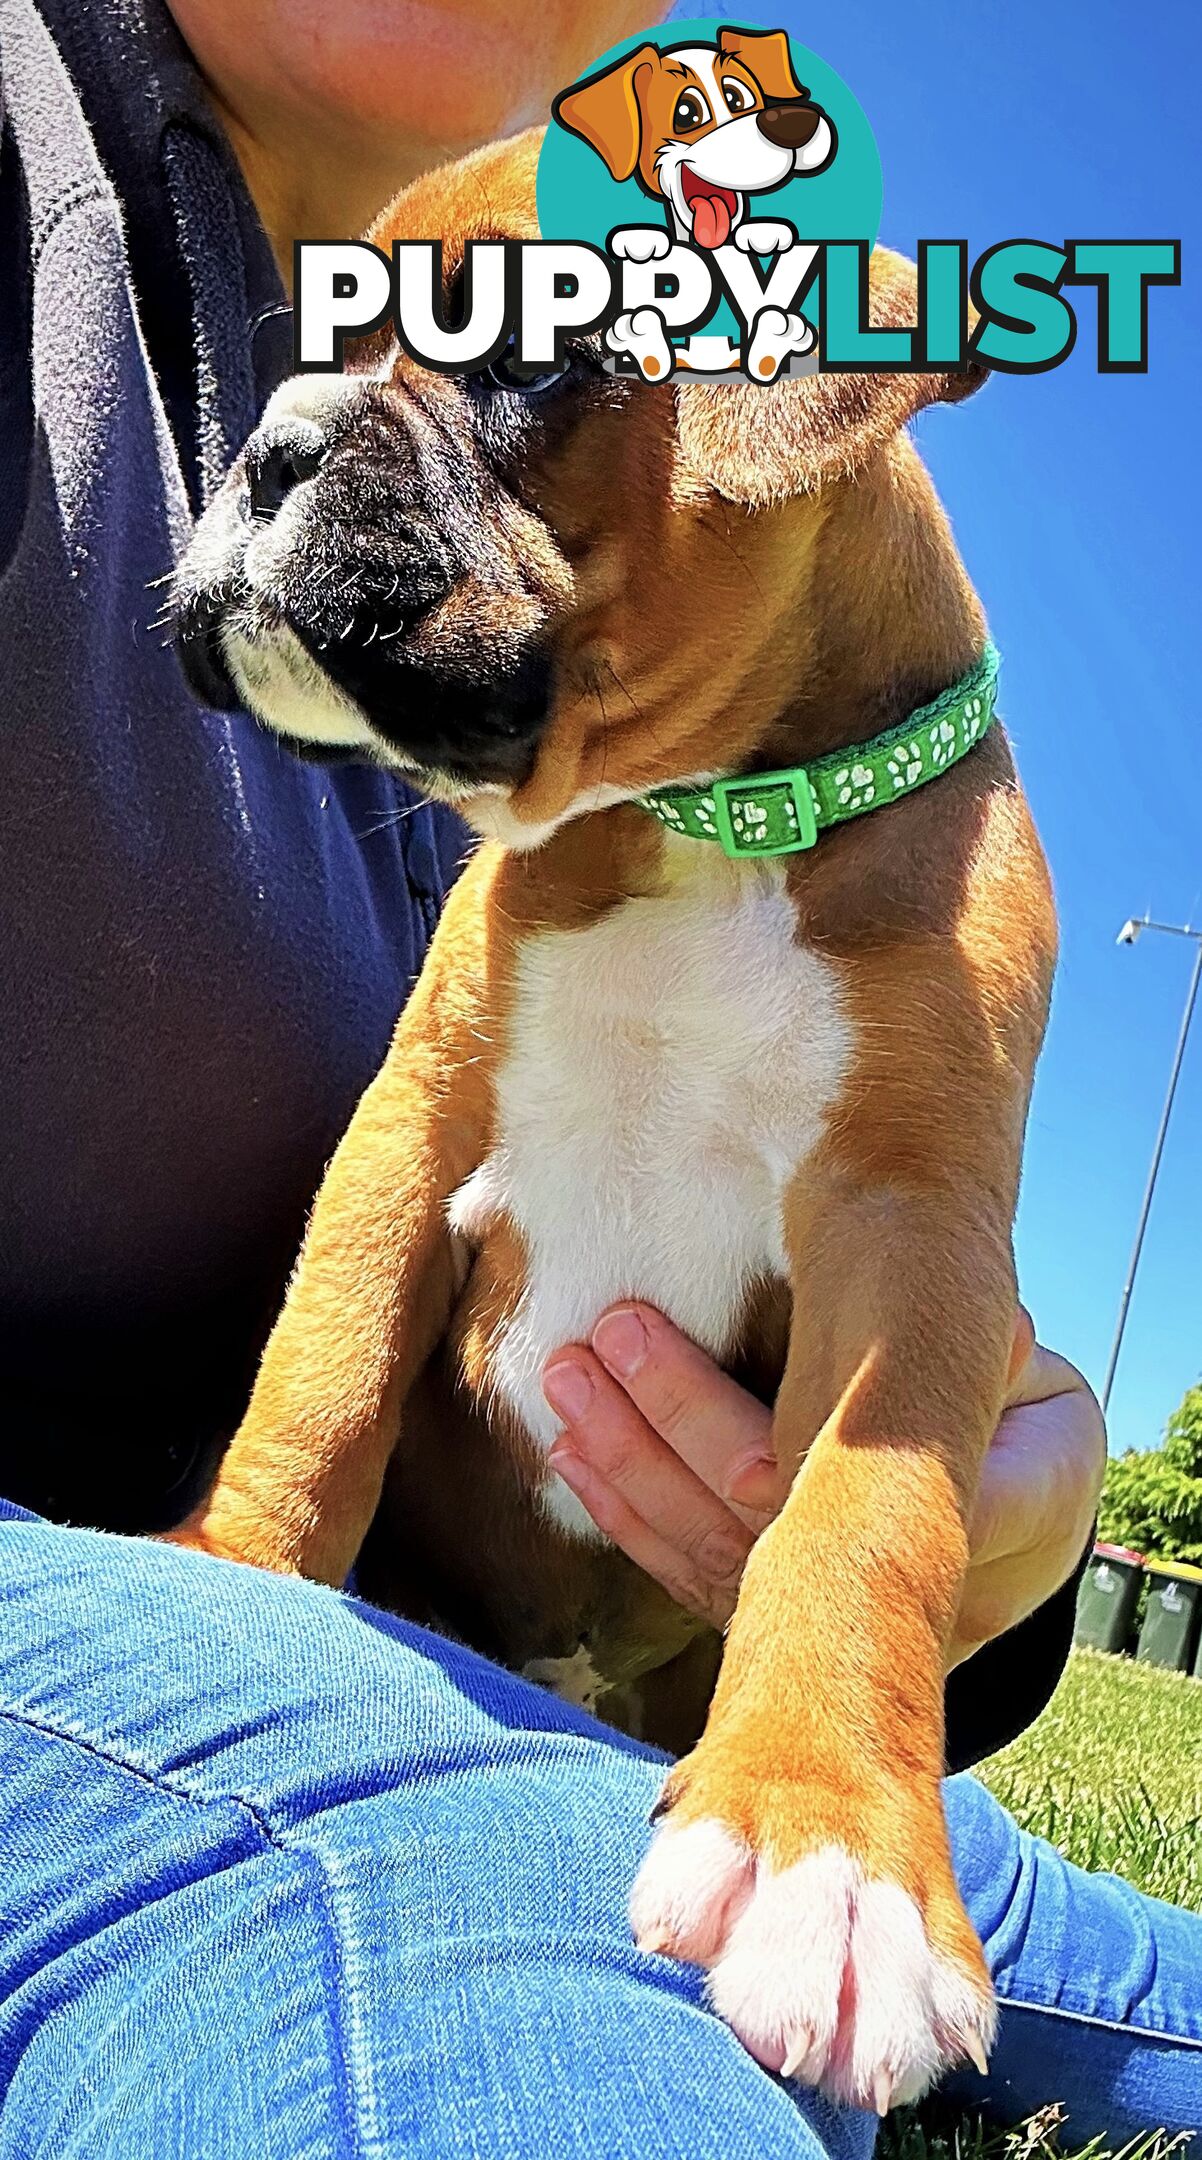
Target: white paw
{"x":574,"y":1679}
{"x":764,"y":236}
{"x":824,"y":1974}
{"x":640,"y":243}
{"x":690,"y":1889}
{"x":643,"y":336}
{"x":775,"y":337}
{"x":707,"y":353}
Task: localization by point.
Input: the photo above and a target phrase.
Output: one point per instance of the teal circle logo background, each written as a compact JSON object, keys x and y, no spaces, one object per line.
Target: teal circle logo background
{"x":578,"y":198}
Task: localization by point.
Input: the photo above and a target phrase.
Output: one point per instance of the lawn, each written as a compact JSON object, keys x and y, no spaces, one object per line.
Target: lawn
{"x":1112,"y":1774}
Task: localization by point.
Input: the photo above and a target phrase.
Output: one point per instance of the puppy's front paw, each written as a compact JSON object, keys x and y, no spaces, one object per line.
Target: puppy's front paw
{"x":775,"y":338}
{"x":827,"y":1967}
{"x":642,"y":336}
{"x":640,"y":243}
{"x":764,"y":236}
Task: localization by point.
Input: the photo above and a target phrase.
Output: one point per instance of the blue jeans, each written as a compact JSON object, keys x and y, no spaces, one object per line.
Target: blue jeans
{"x":283,"y":1878}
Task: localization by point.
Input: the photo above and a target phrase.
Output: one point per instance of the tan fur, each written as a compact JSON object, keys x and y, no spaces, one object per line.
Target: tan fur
{"x":758,"y":576}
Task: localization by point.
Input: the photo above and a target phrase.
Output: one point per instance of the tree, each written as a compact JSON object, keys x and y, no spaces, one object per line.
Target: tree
{"x":1152,"y":1500}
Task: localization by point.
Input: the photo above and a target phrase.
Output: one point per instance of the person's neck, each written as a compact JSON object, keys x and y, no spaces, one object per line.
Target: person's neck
{"x":314,"y":189}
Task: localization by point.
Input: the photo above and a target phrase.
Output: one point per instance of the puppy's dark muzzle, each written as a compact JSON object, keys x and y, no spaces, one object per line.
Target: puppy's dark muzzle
{"x":792,"y":124}
{"x":480,"y":730}
{"x":352,"y":621}
{"x":368,"y":546}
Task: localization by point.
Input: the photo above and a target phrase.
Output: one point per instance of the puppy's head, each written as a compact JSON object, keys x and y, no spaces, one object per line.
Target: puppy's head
{"x":532,"y":598}
{"x":703,"y":126}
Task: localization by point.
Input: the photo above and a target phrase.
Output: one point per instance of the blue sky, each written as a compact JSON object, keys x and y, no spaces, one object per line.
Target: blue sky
{"x":1075,"y":501}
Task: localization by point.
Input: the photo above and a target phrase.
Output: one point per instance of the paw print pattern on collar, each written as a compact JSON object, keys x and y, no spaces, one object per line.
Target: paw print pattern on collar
{"x":780,"y":813}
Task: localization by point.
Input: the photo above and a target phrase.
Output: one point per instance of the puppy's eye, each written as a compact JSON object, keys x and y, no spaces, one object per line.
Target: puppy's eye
{"x":506,"y":373}
{"x":691,"y":112}
{"x":740,"y":97}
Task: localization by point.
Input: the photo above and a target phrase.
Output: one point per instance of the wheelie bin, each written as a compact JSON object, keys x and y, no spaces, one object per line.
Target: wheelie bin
{"x":1106,"y":1604}
{"x":1170,"y":1630}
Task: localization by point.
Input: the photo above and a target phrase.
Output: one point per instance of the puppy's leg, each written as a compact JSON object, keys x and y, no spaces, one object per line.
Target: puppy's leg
{"x":805,"y":1857}
{"x":373,"y":1290}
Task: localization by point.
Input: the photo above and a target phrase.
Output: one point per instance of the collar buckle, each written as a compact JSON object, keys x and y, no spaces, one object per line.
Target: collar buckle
{"x":769,"y":814}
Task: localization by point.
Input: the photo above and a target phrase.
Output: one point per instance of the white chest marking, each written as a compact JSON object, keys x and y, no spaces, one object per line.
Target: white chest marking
{"x":670,"y":1068}
{"x":575,"y":1680}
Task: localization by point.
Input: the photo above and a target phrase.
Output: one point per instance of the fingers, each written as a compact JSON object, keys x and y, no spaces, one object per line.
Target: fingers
{"x":709,"y":1421}
{"x":1021,"y":1347}
{"x":1036,"y":1500}
{"x":1041,"y":1476}
{"x":1038,"y":1374}
{"x":673,"y":1461}
{"x":640,"y":1492}
{"x":670,"y":1457}
{"x":679,"y":1571}
{"x":1045,"y":1376}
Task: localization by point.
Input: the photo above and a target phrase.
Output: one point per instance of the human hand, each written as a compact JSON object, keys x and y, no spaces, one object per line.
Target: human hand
{"x":1038,"y":1494}
{"x":674,"y":1462}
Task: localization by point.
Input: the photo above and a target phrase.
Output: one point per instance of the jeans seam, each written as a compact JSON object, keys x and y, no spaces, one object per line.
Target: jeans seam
{"x":1124,"y":2026}
{"x":157,"y":1781}
{"x":354,"y":2081}
{"x":347,"y":2059}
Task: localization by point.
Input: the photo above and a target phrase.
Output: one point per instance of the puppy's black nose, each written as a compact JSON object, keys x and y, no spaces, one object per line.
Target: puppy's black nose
{"x":790,"y":125}
{"x":278,"y":458}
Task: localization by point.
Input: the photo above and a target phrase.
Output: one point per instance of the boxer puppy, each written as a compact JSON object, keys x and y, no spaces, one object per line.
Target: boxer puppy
{"x":781,"y":1099}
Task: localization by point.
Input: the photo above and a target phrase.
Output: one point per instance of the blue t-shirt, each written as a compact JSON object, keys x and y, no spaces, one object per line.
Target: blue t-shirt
{"x":206,"y":944}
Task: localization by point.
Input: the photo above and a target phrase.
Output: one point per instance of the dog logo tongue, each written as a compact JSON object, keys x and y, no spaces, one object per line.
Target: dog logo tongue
{"x":711,"y":220}
{"x":713,"y":209}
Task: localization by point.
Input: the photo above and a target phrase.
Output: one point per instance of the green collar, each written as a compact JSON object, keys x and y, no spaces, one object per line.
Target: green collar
{"x":778,"y":813}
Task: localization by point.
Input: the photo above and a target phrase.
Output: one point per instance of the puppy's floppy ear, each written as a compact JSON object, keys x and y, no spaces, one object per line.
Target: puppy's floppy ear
{"x":760,"y":446}
{"x":766,"y":53}
{"x":604,"y":109}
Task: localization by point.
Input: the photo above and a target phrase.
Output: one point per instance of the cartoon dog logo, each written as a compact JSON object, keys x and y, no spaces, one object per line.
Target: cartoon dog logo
{"x":702,"y":128}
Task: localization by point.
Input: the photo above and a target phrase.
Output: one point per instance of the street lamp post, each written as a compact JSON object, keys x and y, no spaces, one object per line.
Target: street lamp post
{"x":1127,"y":936}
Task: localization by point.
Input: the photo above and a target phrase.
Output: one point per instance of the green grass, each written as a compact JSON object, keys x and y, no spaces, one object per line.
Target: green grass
{"x":933,"y":2133}
{"x":1112,"y":1774}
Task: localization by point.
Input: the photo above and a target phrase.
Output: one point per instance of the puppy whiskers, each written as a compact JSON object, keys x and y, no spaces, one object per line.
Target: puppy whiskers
{"x":393,"y":818}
